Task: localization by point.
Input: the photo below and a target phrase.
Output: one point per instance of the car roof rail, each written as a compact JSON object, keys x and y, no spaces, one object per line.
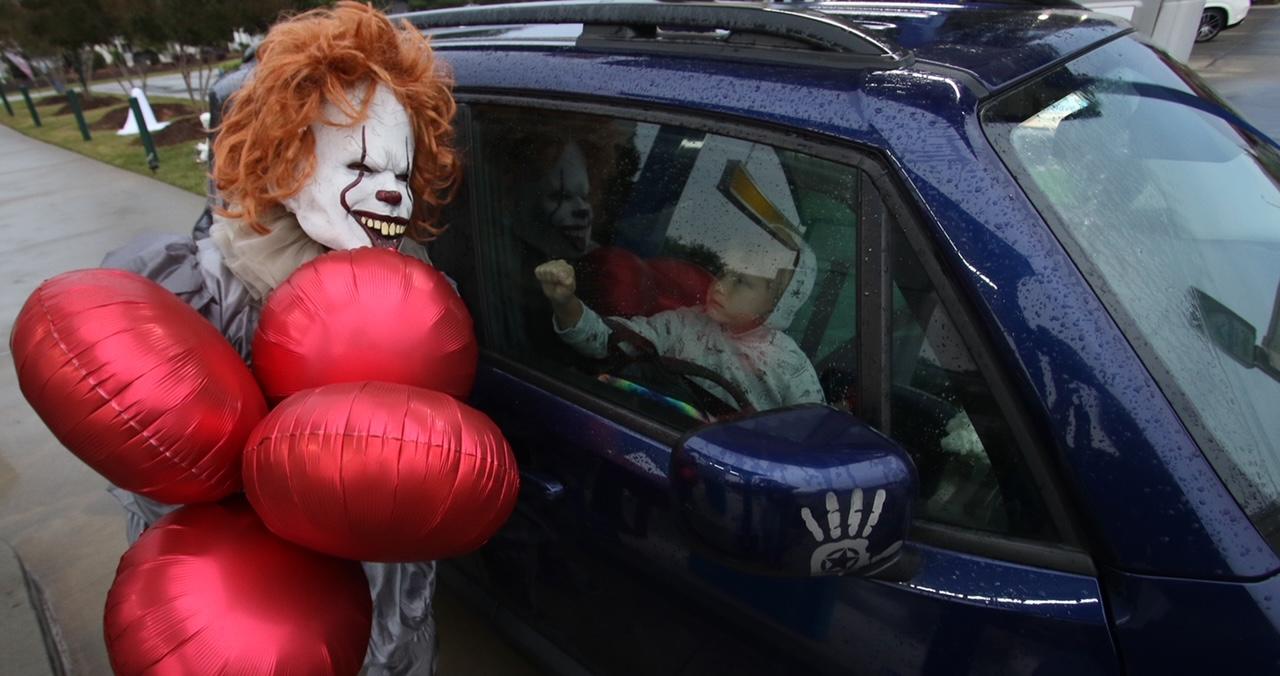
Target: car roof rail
{"x":737,"y":31}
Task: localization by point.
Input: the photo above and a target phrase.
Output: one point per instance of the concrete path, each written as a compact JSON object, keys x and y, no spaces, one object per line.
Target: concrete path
{"x":28,"y":643}
{"x":61,"y":211}
{"x":159,"y":84}
{"x":167,"y":84}
{"x":1243,"y":66}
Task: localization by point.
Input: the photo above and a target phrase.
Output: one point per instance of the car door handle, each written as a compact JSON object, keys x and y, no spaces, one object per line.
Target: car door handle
{"x":540,"y":487}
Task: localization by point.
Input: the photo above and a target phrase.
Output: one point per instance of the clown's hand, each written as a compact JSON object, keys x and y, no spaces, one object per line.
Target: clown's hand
{"x":557,"y":281}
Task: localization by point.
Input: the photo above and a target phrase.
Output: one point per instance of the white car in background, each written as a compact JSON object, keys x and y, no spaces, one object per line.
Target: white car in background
{"x":1220,"y":15}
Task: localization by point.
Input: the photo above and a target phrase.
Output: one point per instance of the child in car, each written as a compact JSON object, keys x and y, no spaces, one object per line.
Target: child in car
{"x":738,"y":333}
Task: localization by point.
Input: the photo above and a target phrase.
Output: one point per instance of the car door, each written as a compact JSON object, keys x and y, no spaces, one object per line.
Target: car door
{"x":649,"y":209}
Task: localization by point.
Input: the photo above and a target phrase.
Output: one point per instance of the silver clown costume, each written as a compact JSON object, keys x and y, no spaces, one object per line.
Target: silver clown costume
{"x":225,"y":277}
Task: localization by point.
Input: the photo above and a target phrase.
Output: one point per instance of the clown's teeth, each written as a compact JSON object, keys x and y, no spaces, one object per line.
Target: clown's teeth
{"x":387,"y":228}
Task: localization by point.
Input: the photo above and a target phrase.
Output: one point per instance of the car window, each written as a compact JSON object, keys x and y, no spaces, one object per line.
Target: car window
{"x":718,"y":276}
{"x":692,"y":259}
{"x":1181,"y":240}
{"x":972,"y":473}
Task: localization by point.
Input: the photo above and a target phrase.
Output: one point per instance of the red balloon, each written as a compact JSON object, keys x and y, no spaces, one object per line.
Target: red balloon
{"x":679,"y":283}
{"x":380,"y":472}
{"x":136,"y":384}
{"x":209,"y":590}
{"x":365,"y":314}
{"x":615,"y":282}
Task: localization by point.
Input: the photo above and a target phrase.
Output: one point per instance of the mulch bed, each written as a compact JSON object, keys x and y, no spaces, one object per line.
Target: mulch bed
{"x":56,"y":99}
{"x":86,"y":103}
{"x":114,"y":119}
{"x":61,"y":99}
{"x":179,"y":131}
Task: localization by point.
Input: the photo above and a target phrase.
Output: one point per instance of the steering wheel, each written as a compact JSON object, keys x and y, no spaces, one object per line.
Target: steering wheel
{"x":639,"y":350}
{"x":639,"y":390}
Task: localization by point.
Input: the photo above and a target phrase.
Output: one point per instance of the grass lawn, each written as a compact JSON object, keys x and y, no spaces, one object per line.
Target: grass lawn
{"x":177,"y":162}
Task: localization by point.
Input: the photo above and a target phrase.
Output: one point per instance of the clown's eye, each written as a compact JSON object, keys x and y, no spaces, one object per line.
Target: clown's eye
{"x":403,"y":178}
{"x":360,"y":166}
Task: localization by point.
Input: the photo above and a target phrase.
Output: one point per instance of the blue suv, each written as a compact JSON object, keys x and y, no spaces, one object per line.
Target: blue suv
{"x":1041,"y":308}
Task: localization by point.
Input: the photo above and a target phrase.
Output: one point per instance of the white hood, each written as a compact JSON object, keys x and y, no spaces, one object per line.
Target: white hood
{"x":797,"y":291}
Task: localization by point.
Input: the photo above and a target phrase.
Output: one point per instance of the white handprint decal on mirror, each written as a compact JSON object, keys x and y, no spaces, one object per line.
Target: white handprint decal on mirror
{"x":847,"y":549}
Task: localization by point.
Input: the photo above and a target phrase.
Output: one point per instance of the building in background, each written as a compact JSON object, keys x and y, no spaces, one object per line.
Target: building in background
{"x":1169,"y":24}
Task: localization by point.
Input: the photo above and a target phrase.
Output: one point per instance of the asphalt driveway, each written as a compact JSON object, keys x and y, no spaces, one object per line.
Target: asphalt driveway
{"x":1243,"y":65}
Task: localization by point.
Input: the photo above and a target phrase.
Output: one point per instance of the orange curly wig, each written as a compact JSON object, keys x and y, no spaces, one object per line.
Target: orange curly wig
{"x":265,"y":149}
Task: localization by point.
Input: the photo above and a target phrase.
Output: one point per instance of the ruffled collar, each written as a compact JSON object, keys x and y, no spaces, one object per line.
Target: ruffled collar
{"x":263,"y":262}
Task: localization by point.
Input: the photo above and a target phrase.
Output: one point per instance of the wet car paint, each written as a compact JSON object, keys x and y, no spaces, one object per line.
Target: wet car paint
{"x":1077,"y":364}
{"x":607,"y":564}
{"x":1179,"y":561}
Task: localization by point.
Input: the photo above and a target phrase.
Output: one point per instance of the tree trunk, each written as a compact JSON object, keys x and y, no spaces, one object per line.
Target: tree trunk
{"x":123,"y":76}
{"x":206,"y":79}
{"x":84,"y":69}
{"x":196,"y":74}
{"x":184,"y":68}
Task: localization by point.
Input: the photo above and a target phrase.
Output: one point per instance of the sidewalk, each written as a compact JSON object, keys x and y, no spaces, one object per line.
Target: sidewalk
{"x":1241,"y":65}
{"x":29,"y":642}
{"x":61,"y":211}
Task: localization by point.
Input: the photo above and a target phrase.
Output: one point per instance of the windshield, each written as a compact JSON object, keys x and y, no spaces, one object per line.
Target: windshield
{"x":1172,"y":207}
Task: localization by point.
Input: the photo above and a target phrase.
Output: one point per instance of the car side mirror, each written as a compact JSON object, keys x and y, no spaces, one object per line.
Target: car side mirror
{"x":1235,"y":336}
{"x":799,"y":491}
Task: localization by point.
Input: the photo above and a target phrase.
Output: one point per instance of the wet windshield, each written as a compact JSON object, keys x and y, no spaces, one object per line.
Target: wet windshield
{"x":1172,"y":207}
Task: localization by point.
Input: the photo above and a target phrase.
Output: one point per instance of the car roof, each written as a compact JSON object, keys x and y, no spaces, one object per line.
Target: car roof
{"x":992,"y":44}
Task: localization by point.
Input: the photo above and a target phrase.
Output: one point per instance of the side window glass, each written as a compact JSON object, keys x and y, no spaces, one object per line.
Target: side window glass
{"x":711,"y":276}
{"x":686,"y":275}
{"x":971,"y":471}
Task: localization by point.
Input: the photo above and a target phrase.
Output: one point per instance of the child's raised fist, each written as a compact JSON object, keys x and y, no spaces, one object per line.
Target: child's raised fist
{"x":557,"y":279}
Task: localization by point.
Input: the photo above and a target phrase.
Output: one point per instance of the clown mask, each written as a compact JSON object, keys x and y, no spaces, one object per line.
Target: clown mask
{"x":564,"y":197}
{"x":359,"y":194}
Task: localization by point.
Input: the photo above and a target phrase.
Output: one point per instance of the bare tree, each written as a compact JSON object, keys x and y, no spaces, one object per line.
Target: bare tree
{"x":59,"y":30}
{"x":136,"y":27}
{"x":202,"y":32}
